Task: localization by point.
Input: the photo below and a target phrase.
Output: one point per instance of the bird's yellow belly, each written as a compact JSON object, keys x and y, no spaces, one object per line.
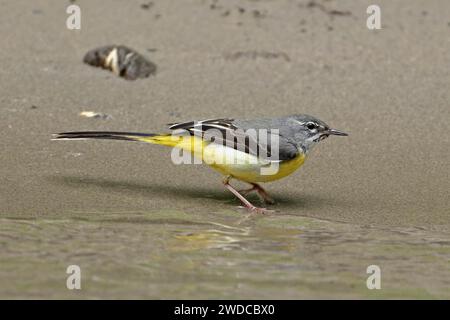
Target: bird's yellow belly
{"x":250,"y":169}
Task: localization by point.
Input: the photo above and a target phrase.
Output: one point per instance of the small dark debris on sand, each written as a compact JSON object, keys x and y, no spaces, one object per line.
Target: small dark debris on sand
{"x":214,"y":6}
{"x":257,"y":54}
{"x":331,"y":12}
{"x":121,"y":60}
{"x":147,"y":5}
{"x":259,"y":14}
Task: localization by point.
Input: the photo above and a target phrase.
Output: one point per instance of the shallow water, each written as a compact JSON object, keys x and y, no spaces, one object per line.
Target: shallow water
{"x":228,"y":254}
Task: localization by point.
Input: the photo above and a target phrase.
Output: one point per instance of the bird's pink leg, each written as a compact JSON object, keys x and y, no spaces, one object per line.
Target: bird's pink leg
{"x":261,"y":192}
{"x":246,"y":203}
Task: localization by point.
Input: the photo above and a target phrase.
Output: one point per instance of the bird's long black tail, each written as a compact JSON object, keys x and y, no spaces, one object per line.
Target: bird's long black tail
{"x":129,"y":136}
{"x":164,"y":139}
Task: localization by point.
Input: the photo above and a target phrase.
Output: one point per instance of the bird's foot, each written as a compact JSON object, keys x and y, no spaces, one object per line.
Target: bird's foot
{"x":268,"y":200}
{"x":258,"y":210}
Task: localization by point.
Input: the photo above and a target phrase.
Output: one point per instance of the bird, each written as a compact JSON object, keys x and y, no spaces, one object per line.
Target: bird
{"x":252,"y":151}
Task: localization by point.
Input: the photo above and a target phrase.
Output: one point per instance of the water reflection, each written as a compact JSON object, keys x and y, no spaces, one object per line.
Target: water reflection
{"x":222,"y":237}
{"x":172,"y":254}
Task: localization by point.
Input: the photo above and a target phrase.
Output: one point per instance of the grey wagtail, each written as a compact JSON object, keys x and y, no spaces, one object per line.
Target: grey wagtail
{"x":285,"y":146}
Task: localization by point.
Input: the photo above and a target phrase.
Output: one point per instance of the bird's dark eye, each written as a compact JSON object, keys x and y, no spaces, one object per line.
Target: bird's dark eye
{"x":311,"y":125}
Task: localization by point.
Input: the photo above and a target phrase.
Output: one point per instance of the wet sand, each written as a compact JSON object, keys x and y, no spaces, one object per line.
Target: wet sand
{"x":387,"y":88}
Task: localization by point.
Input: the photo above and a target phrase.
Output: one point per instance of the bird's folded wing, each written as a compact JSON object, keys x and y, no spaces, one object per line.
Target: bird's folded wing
{"x":265,"y":144}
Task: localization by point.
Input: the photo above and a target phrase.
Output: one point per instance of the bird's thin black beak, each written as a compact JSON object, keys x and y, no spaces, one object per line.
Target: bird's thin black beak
{"x":336,"y":132}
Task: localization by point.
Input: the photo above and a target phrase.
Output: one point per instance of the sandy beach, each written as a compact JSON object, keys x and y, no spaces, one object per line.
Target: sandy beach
{"x":124,"y":211}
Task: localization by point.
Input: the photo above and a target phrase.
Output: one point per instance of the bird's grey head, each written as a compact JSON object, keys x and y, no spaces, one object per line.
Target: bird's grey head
{"x":308,"y":131}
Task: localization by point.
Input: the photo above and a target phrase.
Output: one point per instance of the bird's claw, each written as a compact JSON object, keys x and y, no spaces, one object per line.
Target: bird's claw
{"x":260,"y":210}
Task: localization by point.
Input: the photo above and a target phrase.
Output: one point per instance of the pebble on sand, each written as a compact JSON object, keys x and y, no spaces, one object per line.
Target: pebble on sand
{"x":121,"y":60}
